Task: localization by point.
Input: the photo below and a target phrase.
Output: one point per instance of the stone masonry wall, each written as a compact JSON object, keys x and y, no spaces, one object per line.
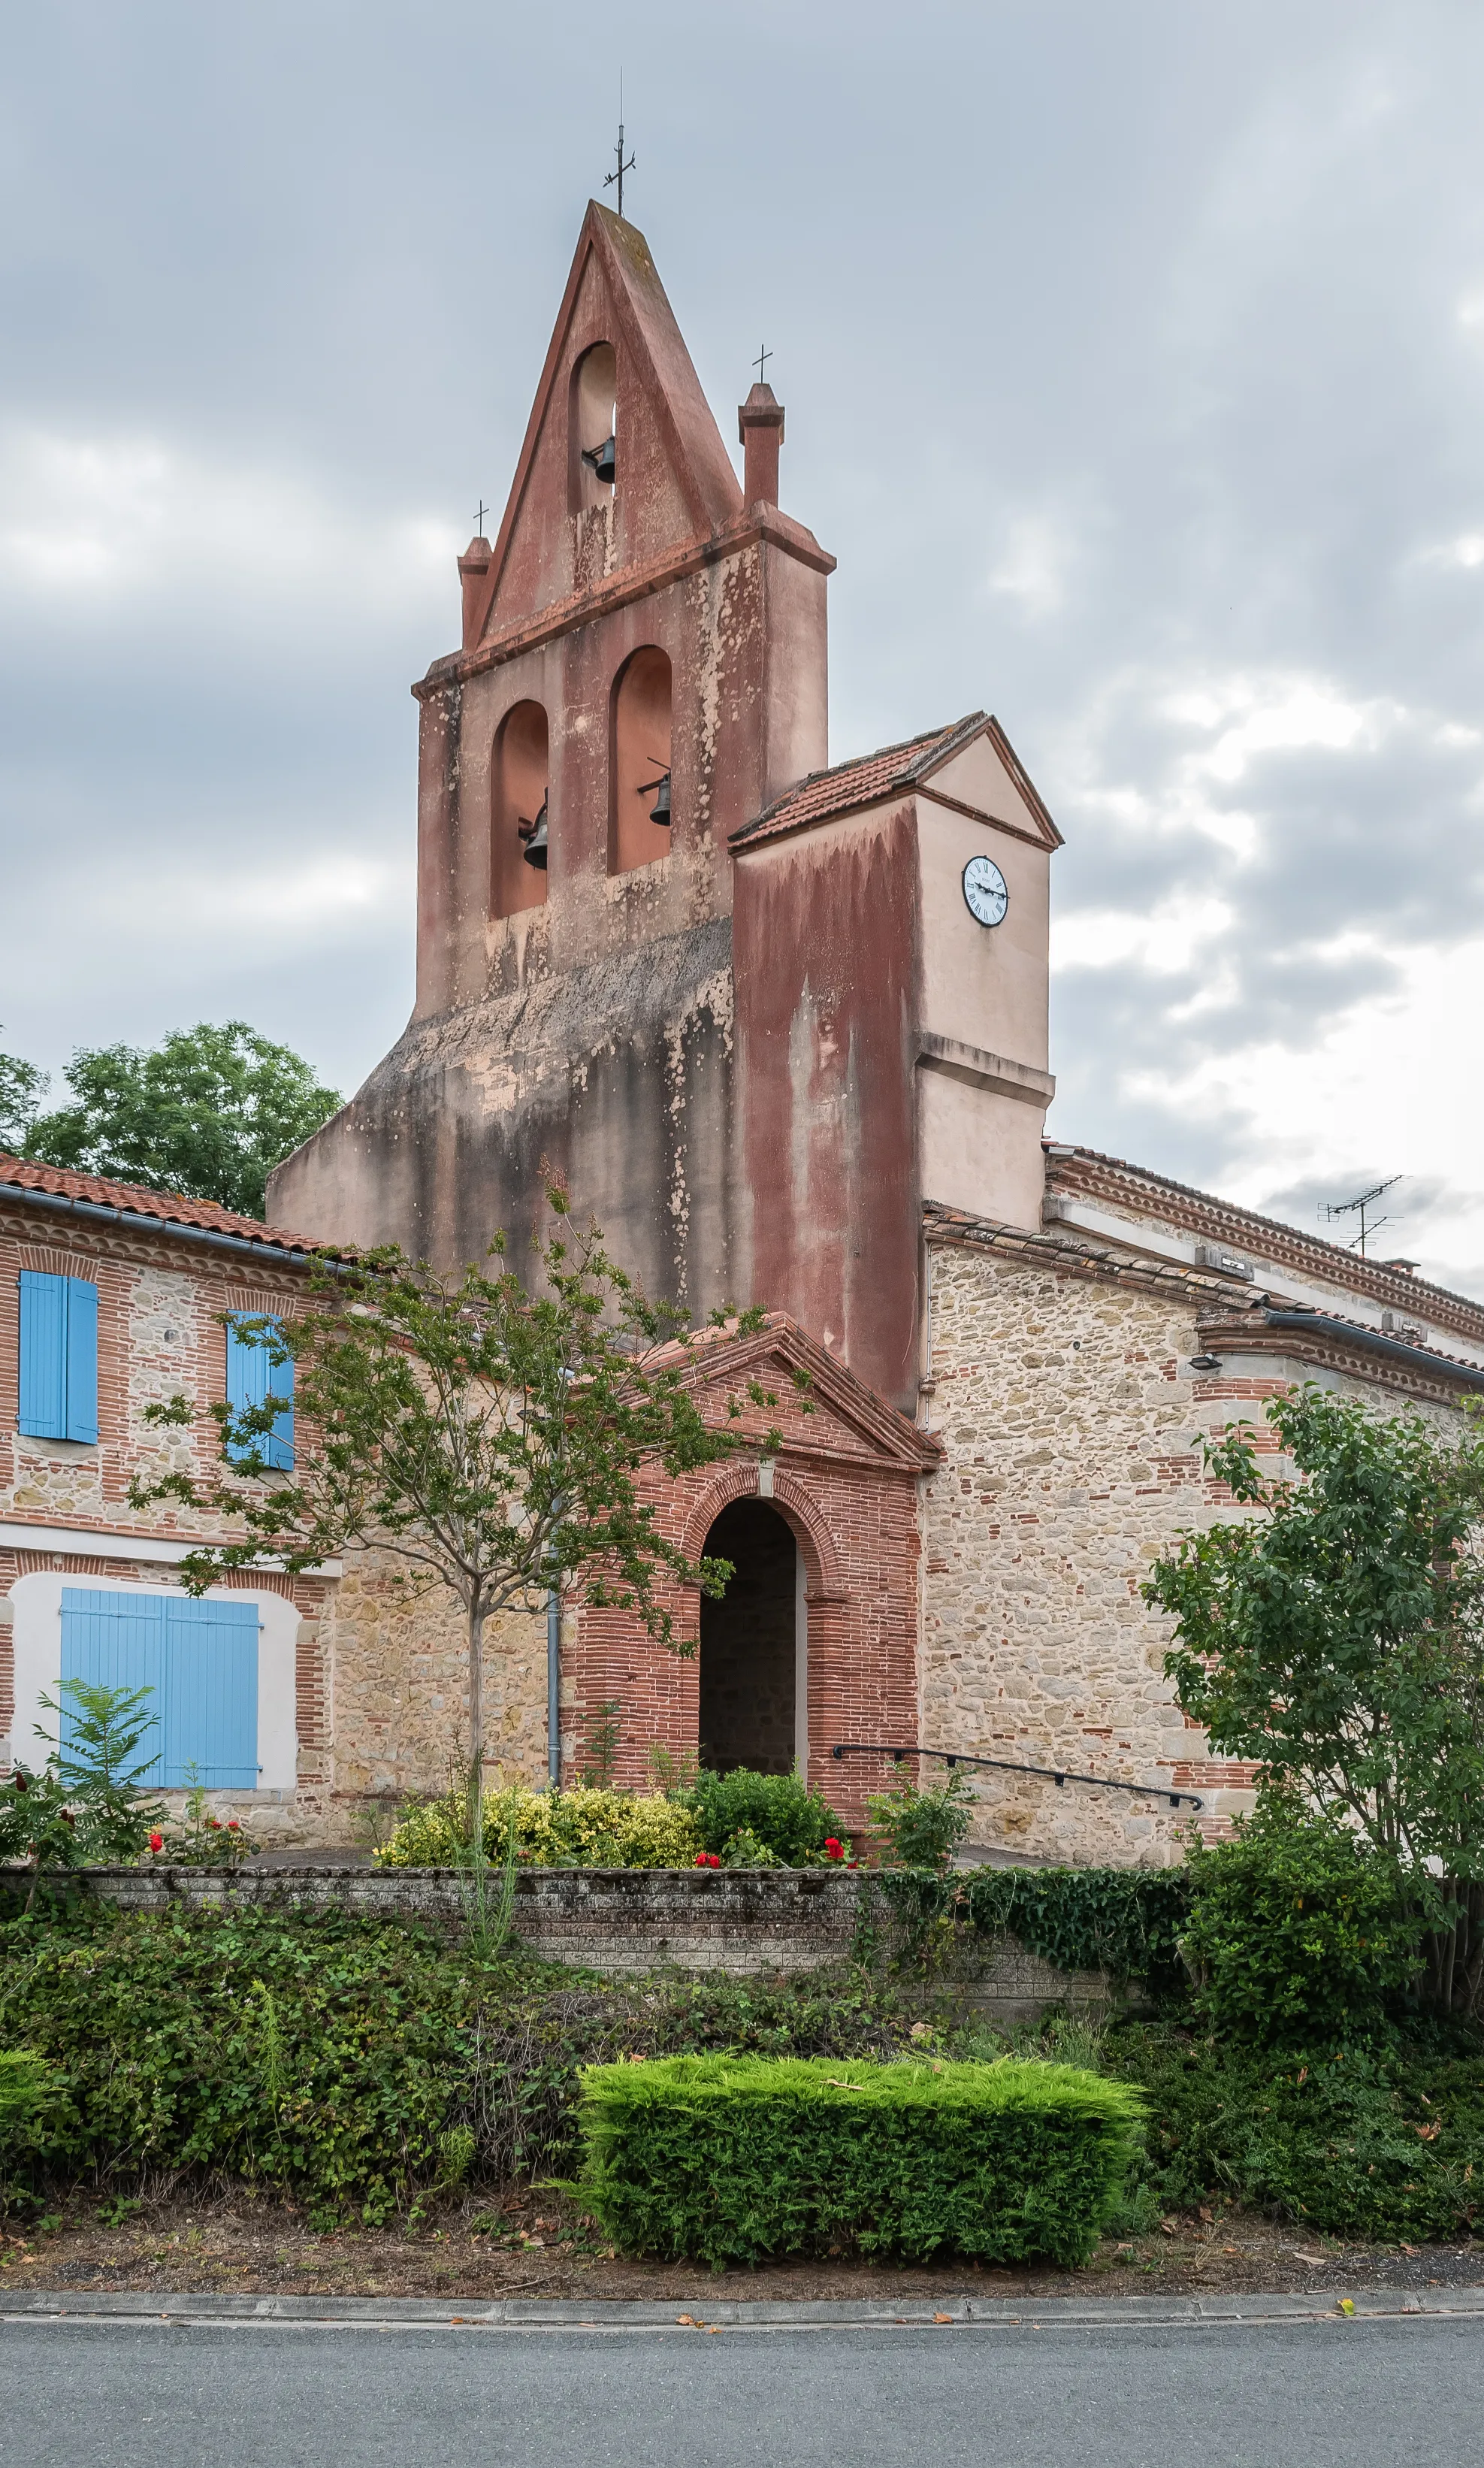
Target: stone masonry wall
{"x":1070,"y":1419}
{"x":398,"y":1656}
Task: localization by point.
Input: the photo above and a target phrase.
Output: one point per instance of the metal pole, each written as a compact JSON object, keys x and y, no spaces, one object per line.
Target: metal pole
{"x":553,"y":1688}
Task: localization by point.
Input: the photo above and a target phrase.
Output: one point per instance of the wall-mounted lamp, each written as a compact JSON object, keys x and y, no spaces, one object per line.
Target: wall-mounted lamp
{"x":1205,"y":1363}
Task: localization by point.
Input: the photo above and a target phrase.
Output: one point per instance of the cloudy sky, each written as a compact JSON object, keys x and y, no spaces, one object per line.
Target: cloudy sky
{"x":1134,"y":356}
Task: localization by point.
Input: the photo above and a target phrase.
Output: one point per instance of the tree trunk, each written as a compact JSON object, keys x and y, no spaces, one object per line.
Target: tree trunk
{"x":476,"y":1726}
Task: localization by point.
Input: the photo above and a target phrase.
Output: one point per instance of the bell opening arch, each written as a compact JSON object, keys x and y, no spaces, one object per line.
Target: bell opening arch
{"x":592,"y":429}
{"x":518,"y":778}
{"x":639,"y":737}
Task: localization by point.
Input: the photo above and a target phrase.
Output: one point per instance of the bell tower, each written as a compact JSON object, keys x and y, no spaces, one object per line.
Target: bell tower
{"x":756,"y":1013}
{"x":642,"y":670}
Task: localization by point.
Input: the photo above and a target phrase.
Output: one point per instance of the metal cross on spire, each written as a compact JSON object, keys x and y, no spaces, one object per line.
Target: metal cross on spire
{"x":760,"y":364}
{"x":479,"y":520}
{"x":623,"y":167}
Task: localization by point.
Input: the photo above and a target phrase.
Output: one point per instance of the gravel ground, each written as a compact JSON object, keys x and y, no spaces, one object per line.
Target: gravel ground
{"x":537,"y":2247}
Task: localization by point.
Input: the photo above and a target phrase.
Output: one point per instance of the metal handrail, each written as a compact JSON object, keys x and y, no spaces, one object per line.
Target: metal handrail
{"x":952,"y":1757}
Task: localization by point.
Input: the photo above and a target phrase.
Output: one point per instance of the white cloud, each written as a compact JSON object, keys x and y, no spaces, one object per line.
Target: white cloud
{"x":1166,"y":942}
{"x":1034,"y":565}
{"x":103,"y":521}
{"x":1374,"y":1089}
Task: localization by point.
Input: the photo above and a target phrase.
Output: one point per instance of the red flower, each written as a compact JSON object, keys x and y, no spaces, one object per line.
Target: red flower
{"x":156,"y":1841}
{"x":233,"y":1826}
{"x":708,"y":1860}
{"x":834,"y":1849}
{"x":215,"y":1822}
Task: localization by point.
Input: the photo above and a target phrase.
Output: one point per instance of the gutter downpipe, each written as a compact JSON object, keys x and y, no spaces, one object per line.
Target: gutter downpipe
{"x":554,"y":1674}
{"x":553,"y":1688}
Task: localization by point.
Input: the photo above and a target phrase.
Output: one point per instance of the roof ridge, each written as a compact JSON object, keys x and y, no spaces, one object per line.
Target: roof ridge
{"x":1401,"y":1280}
{"x":167,"y":1208}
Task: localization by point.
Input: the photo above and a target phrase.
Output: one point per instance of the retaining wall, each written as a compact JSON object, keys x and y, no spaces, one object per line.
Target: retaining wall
{"x":620,"y":1920}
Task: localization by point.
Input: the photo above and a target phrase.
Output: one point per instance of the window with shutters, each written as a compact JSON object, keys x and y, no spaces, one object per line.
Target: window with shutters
{"x":58,"y":1357}
{"x":199,"y":1662}
{"x":252,"y":1378}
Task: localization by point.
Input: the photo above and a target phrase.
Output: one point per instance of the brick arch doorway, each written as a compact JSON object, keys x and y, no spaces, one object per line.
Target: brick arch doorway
{"x":754,"y":1693}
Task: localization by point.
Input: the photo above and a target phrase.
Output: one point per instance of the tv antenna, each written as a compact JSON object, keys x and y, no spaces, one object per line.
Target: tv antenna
{"x":623,"y":167}
{"x":1363,"y":1202}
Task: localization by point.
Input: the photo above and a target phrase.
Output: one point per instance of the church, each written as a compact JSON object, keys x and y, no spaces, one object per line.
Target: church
{"x":781,"y":1027}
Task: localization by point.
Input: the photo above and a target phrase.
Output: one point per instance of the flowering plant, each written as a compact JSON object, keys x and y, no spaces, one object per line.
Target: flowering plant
{"x":708,"y":1860}
{"x":203,"y":1840}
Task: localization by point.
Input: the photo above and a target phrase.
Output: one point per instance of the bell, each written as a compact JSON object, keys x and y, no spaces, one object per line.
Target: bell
{"x":535,"y":836}
{"x":660,"y":811}
{"x":603,"y":459}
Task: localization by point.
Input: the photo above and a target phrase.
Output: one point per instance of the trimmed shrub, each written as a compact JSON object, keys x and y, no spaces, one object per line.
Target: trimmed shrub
{"x":1300,"y":1936}
{"x":729,"y":2159}
{"x":793,"y":1821}
{"x":584,"y":1827}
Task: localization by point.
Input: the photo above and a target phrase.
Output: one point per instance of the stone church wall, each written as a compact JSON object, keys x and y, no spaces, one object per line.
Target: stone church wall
{"x":1069,"y":1417}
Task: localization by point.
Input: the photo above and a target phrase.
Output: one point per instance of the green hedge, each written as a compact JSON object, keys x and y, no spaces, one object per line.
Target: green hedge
{"x":731,"y":2158}
{"x":343,"y":2060}
{"x":1374,"y":2143}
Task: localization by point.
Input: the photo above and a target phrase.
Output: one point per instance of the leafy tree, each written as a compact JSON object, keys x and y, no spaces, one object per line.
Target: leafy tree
{"x":209,"y":1113}
{"x":22,"y":1087}
{"x":1336,"y":1637}
{"x":490,"y":1439}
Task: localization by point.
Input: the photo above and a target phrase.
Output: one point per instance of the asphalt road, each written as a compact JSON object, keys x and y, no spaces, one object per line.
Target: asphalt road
{"x":1366,"y":2393}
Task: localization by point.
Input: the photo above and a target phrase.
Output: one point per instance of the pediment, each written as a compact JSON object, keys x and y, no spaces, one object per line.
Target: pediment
{"x":675,"y":481}
{"x":845,"y":1417}
{"x":982,"y":774}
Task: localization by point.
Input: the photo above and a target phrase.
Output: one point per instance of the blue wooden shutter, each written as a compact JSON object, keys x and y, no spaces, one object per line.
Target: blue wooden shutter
{"x":209,"y":1710}
{"x":248,"y":1379}
{"x":251,"y":1379}
{"x":43,"y":1341}
{"x":58,"y":1349}
{"x":81,"y":1359}
{"x":199,"y":1660}
{"x":280,"y":1450}
{"x":114,"y":1641}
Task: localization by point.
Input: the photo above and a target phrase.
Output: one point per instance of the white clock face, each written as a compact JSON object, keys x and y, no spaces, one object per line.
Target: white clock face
{"x":984,"y":890}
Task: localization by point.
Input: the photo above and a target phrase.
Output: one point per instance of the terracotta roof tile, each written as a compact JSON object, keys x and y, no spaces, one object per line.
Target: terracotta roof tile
{"x":135,"y":1199}
{"x":850,"y":785}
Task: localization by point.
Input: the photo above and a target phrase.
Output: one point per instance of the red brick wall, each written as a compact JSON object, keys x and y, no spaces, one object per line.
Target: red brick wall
{"x":855,"y":1525}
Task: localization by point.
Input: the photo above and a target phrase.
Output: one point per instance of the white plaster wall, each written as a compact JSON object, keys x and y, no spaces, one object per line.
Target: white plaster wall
{"x":38,"y":1606}
{"x":981,"y":1151}
{"x":986,"y":985}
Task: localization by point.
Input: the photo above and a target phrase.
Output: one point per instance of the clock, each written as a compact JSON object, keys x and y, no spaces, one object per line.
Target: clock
{"x":985,"y":895}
